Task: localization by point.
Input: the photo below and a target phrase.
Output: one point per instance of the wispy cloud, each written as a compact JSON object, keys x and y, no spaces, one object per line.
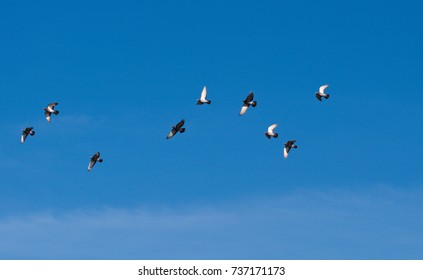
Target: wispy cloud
{"x":78,"y":119}
{"x":380,"y":223}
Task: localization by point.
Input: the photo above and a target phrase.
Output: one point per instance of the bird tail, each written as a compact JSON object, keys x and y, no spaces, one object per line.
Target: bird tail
{"x":267,"y":135}
{"x":327,"y":96}
{"x":100,"y":160}
{"x":294,"y":146}
{"x":276,"y":135}
{"x":318,"y":96}
{"x":182,"y":130}
{"x":254,"y":103}
{"x":32,"y":132}
{"x":56,"y":112}
{"x":199,"y":102}
{"x":209,"y":102}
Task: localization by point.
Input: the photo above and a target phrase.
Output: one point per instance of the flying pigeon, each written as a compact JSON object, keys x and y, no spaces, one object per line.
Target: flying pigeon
{"x":288,"y":145}
{"x":176,"y":129}
{"x":321,"y":93}
{"x":203,"y":97}
{"x":25,"y":133}
{"x":49,"y":110}
{"x":247,"y":102}
{"x":270,"y":131}
{"x":94,"y":159}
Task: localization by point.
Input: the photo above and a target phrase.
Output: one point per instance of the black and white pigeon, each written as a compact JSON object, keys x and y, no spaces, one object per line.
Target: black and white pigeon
{"x":49,"y":110}
{"x":288,"y":145}
{"x":94,"y":159}
{"x":25,"y":133}
{"x":203,"y":97}
{"x":321,"y":93}
{"x":247,"y":102}
{"x":270,"y":131}
{"x":177,"y":128}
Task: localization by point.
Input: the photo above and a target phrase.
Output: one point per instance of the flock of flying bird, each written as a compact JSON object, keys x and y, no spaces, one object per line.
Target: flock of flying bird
{"x":47,"y":113}
{"x":249,"y":101}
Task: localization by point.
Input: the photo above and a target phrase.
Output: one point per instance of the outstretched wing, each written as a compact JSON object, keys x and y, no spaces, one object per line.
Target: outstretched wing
{"x":51,"y":105}
{"x":23,"y":137}
{"x":96,"y":156}
{"x":243,"y":109}
{"x":250,"y":97}
{"x":271,"y":128}
{"x":171,"y":133}
{"x":290,"y":143}
{"x":91,"y":164}
{"x":322,"y":88}
{"x":203,"y":94}
{"x":285,"y":152}
{"x":180,"y":124}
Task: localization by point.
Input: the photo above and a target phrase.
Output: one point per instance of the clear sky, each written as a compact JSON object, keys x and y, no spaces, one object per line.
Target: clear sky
{"x":124,"y":72}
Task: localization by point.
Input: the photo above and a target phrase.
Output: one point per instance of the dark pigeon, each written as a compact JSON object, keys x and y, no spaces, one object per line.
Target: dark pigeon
{"x":288,"y":145}
{"x":177,"y":128}
{"x":25,"y":133}
{"x":247,"y":102}
{"x":94,"y":159}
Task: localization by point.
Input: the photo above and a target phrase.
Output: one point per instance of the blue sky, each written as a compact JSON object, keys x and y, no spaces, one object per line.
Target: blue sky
{"x":124,"y":72}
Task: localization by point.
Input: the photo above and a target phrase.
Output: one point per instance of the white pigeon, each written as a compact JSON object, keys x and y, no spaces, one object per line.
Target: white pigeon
{"x":321,"y":93}
{"x":203,"y":97}
{"x":270,"y":131}
{"x":49,"y":110}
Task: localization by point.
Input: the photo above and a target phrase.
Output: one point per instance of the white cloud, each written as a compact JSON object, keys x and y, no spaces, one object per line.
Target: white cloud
{"x":379,"y":223}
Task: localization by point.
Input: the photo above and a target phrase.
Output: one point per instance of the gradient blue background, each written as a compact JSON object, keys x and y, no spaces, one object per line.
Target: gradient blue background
{"x":124,"y":72}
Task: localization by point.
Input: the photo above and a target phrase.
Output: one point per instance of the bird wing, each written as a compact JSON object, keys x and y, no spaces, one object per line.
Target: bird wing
{"x":48,"y":115}
{"x":91,"y":164}
{"x":95,"y":157}
{"x":203,"y":94}
{"x":171,"y":133}
{"x":322,"y":88}
{"x":180,"y":124}
{"x":250,"y":97}
{"x":23,"y":137}
{"x":51,"y":105}
{"x":290,"y":143}
{"x":243,"y":109}
{"x":271,"y":128}
{"x":285,"y":152}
